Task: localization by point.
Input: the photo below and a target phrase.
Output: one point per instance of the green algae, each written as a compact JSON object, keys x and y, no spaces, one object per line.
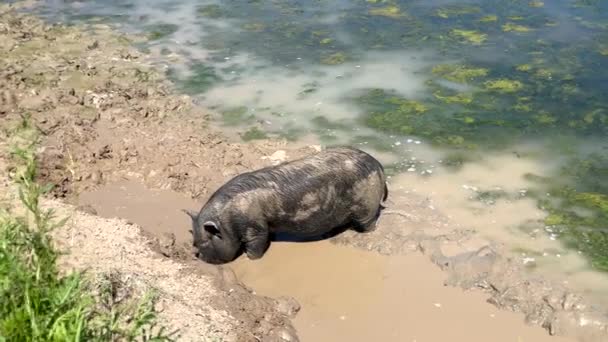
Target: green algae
{"x":584,"y":230}
{"x":390,"y":11}
{"x":454,"y":11}
{"x":236,"y":116}
{"x":253,"y":133}
{"x":454,"y":161}
{"x":503,"y":85}
{"x":392,"y":113}
{"x":455,"y":140}
{"x":255,"y":27}
{"x":469,"y":120}
{"x":523,"y":107}
{"x":585,"y":234}
{"x":593,"y":200}
{"x":334,"y":59}
{"x":156,"y":32}
{"x":461,"y":98}
{"x":488,"y":18}
{"x":470,"y":36}
{"x":587,"y":3}
{"x":544,"y":74}
{"x":489,"y":197}
{"x":213,"y":11}
{"x":325,"y":123}
{"x":203,"y":78}
{"x":408,"y":106}
{"x":524,"y":67}
{"x":538,"y":179}
{"x":512,"y":27}
{"x":536,"y":4}
{"x":292,"y":134}
{"x":594,"y":116}
{"x":309,"y":88}
{"x":459,"y":73}
{"x":545,"y":118}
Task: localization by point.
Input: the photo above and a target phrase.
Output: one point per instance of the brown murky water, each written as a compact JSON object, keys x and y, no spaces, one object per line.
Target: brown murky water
{"x":516,"y":221}
{"x":346,"y":294}
{"x":353,"y":295}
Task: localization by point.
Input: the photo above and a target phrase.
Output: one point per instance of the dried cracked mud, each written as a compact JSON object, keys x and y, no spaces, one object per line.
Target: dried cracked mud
{"x":113,"y":127}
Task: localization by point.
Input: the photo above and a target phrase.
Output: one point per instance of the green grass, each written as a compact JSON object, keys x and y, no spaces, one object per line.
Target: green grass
{"x":38,"y":302}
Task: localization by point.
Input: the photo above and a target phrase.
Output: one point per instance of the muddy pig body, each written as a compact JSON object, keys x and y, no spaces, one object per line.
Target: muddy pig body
{"x":306,"y":197}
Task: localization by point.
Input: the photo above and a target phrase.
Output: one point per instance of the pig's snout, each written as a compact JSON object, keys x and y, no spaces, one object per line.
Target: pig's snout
{"x":194,"y":250}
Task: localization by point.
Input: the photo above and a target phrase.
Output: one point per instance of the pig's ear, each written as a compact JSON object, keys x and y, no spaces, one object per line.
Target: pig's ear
{"x":212,"y":229}
{"x":193,"y":214}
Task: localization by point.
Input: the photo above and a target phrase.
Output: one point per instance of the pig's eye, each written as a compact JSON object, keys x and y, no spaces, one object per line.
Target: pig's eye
{"x":211,"y":228}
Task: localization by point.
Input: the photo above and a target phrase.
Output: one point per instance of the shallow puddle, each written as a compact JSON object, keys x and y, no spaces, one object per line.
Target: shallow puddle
{"x":157,"y":211}
{"x":353,"y":295}
{"x":346,"y":294}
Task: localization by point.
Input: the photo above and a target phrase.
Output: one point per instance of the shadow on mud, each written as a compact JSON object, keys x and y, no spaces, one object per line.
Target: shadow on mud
{"x":287,"y":237}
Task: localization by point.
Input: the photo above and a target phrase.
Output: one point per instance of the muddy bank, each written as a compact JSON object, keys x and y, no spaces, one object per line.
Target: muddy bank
{"x":104,"y":117}
{"x":108,"y":116}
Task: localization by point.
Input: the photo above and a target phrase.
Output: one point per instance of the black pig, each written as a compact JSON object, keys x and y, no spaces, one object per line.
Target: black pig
{"x":339,"y":187}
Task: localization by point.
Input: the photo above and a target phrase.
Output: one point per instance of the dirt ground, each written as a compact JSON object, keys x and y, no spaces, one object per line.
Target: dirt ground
{"x":107,"y":116}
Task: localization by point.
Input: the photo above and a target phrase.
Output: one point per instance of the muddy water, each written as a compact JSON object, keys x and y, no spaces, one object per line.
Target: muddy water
{"x":353,"y":295}
{"x":346,"y":294}
{"x":506,"y":214}
{"x":157,"y":211}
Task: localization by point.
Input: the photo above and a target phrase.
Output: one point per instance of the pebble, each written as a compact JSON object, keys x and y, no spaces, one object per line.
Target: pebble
{"x":398,"y":143}
{"x":528,"y":260}
{"x":437,"y":305}
{"x":411,"y":169}
{"x":417,"y":142}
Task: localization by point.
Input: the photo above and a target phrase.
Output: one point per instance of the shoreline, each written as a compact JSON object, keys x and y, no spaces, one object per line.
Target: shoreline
{"x":107,"y":115}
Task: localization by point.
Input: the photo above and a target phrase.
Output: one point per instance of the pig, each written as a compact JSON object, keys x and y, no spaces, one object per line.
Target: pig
{"x":338,"y":187}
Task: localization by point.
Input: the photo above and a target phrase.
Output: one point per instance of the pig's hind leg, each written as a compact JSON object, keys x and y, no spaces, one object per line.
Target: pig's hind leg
{"x":366,"y":222}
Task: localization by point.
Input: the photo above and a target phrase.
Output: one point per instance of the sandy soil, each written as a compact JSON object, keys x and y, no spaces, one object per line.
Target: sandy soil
{"x":127,"y":154}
